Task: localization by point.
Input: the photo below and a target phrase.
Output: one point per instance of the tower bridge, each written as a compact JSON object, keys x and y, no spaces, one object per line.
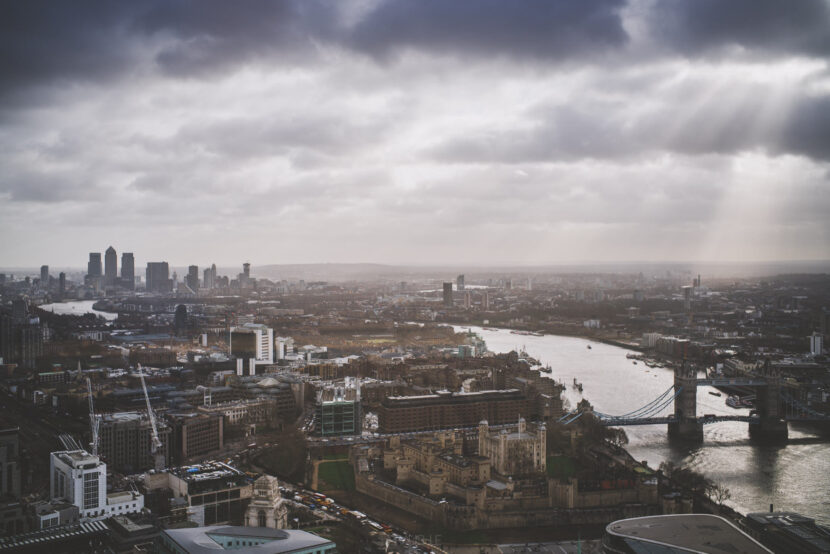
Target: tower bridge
{"x":774,"y":407}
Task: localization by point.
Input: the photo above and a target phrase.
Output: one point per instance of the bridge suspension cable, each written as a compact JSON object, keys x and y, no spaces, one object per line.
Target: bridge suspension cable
{"x":655,"y":406}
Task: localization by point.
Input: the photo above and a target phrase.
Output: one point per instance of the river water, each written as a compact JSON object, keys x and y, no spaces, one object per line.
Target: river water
{"x":77,"y":307}
{"x":793,"y":477}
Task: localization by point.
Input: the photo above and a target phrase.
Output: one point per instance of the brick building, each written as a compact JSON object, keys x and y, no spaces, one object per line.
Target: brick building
{"x":450,"y":410}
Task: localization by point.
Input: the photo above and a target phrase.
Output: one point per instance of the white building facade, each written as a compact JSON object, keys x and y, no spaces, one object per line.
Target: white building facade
{"x":79,"y":478}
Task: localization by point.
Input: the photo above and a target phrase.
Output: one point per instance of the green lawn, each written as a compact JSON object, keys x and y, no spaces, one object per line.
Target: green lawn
{"x":337,"y":476}
{"x":561,"y":467}
{"x":336,"y":457}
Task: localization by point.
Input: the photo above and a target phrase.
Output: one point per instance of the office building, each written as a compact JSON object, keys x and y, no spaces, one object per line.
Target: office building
{"x":93,"y":267}
{"x":21,"y":336}
{"x":196,"y":435}
{"x":448,"y":295}
{"x":451,"y":410}
{"x":253,"y":341}
{"x":816,"y":344}
{"x":110,"y":267}
{"x":216,"y":493}
{"x":243,"y":540}
{"x":10,"y":462}
{"x":693,"y":533}
{"x":468,"y":300}
{"x":207,"y":279}
{"x":255,"y":412}
{"x":485,"y":301}
{"x":192,"y":278}
{"x":125,"y":441}
{"x":44,"y":276}
{"x":246,"y":270}
{"x":79,"y":478}
{"x":337,"y":412}
{"x":459,"y":282}
{"x":128,"y":270}
{"x":158,"y":277}
{"x":62,"y":284}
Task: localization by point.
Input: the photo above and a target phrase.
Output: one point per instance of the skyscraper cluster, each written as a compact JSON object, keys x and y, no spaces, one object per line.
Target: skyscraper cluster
{"x":106,"y":276}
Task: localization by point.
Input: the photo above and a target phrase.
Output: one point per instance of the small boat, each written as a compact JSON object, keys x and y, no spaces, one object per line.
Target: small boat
{"x":733,"y":402}
{"x":588,"y":346}
{"x":634,"y":362}
{"x":714,"y":393}
{"x":546,"y":369}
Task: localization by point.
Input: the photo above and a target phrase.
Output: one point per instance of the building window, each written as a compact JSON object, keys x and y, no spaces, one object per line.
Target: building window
{"x":90,"y":490}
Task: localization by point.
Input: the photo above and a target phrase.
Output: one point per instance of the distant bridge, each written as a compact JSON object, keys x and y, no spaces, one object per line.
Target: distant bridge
{"x":775,"y":407}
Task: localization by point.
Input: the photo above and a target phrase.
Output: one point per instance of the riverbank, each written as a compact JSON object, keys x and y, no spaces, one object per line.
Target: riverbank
{"x":793,"y":476}
{"x":544,"y":332}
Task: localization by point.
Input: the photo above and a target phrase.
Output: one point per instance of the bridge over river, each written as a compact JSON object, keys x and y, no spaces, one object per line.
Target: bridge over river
{"x":775,"y":406}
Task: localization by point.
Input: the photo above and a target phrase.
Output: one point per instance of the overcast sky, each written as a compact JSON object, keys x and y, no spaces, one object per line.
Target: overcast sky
{"x":423,"y":131}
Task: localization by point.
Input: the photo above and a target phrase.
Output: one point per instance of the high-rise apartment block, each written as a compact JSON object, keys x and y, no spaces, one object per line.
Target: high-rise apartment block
{"x":448,"y":295}
{"x":459,"y":282}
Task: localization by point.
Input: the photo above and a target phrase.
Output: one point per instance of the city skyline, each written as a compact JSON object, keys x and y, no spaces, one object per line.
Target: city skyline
{"x":521,"y":132}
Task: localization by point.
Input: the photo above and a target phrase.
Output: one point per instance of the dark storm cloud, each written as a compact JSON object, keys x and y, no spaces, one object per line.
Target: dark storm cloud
{"x":783,"y":26}
{"x":535,"y":29}
{"x":46,"y":41}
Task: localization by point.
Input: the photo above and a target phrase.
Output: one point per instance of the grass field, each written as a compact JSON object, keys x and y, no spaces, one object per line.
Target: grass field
{"x":561,"y":467}
{"x":335,"y":457}
{"x":336,"y":476}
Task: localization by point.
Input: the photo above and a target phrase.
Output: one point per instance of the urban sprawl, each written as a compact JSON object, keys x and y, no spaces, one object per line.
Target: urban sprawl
{"x":261,"y":410}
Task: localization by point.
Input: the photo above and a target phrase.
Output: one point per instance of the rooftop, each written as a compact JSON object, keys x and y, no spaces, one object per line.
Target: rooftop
{"x":454,"y":397}
{"x":684,"y":533}
{"x":273,"y":541}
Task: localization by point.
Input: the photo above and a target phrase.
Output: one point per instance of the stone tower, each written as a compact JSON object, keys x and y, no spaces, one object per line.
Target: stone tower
{"x":266,"y":508}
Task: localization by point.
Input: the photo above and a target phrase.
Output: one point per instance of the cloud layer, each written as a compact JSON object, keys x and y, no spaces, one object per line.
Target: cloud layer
{"x":415,"y":131}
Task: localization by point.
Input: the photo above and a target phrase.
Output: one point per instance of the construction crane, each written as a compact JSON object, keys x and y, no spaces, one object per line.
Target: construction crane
{"x":94,"y":421}
{"x":155,"y":445}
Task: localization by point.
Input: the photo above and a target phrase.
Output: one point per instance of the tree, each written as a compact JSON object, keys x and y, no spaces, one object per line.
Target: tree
{"x":719,"y":493}
{"x":617,"y":437}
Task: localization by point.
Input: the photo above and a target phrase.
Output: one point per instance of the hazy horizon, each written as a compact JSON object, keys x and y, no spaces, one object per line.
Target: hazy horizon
{"x":463,"y":133}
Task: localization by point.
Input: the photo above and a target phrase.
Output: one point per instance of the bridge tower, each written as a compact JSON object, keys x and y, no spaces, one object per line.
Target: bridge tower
{"x":772,"y":426}
{"x":687,"y":427}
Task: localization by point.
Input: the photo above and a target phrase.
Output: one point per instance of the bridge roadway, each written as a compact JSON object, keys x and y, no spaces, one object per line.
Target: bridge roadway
{"x":732,"y":382}
{"x":705,"y":420}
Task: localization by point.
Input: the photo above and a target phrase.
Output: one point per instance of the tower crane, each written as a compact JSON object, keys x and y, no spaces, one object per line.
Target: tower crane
{"x":155,"y":444}
{"x":94,"y":421}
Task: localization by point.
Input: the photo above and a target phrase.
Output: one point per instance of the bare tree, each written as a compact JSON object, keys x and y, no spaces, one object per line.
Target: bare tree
{"x":719,"y":493}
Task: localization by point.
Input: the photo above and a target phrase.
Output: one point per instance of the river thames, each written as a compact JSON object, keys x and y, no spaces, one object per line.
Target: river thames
{"x":793,"y":477}
{"x":77,"y":307}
